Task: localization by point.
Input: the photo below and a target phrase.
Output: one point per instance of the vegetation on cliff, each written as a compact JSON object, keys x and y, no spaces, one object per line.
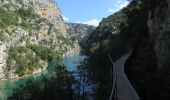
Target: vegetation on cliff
{"x":26,"y":59}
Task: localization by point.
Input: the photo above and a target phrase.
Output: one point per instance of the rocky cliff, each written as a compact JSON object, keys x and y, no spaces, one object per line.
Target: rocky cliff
{"x":159,"y":27}
{"x":80,"y":32}
{"x":32,"y":32}
{"x":49,"y":10}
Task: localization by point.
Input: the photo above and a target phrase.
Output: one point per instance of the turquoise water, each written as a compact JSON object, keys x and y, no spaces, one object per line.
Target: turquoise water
{"x":70,"y":62}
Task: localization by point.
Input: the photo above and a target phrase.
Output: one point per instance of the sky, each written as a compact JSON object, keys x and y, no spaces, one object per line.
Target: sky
{"x":89,"y":12}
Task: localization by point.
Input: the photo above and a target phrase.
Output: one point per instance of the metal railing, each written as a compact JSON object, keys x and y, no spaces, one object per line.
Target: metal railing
{"x":118,"y":92}
{"x":114,"y":77}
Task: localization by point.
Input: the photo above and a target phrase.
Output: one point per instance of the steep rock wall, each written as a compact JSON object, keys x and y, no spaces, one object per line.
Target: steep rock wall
{"x":159,"y":27}
{"x":49,"y":10}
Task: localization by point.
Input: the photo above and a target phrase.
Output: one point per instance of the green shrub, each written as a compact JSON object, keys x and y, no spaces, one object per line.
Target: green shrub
{"x":44,"y":52}
{"x":2,"y":36}
{"x":19,"y":1}
{"x":24,"y":58}
{"x":7,"y":18}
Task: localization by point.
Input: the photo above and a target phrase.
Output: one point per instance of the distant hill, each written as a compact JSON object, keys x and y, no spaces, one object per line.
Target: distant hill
{"x":80,"y":31}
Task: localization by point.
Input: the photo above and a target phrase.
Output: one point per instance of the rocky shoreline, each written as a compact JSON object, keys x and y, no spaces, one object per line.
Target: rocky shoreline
{"x":16,"y":77}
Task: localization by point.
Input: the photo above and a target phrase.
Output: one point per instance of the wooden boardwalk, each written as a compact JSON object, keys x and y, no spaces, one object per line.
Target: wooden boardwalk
{"x":122,"y":88}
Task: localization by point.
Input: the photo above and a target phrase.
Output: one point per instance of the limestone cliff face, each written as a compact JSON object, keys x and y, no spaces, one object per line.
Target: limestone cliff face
{"x":2,"y":60}
{"x":25,"y":27}
{"x":49,"y":10}
{"x":159,"y":28}
{"x":80,"y":31}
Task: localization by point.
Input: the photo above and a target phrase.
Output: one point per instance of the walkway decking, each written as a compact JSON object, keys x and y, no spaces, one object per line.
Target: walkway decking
{"x":124,"y":89}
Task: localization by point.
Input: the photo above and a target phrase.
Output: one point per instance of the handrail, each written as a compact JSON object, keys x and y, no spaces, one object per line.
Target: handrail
{"x":122,"y":88}
{"x":114,"y":78}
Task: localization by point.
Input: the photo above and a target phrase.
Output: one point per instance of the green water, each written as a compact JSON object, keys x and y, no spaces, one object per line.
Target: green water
{"x":7,"y":87}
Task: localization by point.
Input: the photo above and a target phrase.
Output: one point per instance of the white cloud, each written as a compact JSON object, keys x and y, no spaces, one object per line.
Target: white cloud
{"x":123,"y":5}
{"x":78,"y":21}
{"x":93,"y":22}
{"x":119,"y":1}
{"x":65,"y":18}
{"x":111,"y":10}
{"x":118,"y":5}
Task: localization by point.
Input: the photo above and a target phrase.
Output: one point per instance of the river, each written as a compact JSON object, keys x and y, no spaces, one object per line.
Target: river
{"x":70,"y":62}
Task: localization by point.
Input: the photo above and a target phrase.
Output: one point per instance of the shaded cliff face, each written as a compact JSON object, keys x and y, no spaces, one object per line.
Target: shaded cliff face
{"x":107,"y":31}
{"x":32,"y":32}
{"x":159,"y":27}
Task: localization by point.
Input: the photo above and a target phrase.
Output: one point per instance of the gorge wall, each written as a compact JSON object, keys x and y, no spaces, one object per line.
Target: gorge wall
{"x":80,"y":32}
{"x":49,"y":10}
{"x":32,"y":32}
{"x":159,"y":27}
